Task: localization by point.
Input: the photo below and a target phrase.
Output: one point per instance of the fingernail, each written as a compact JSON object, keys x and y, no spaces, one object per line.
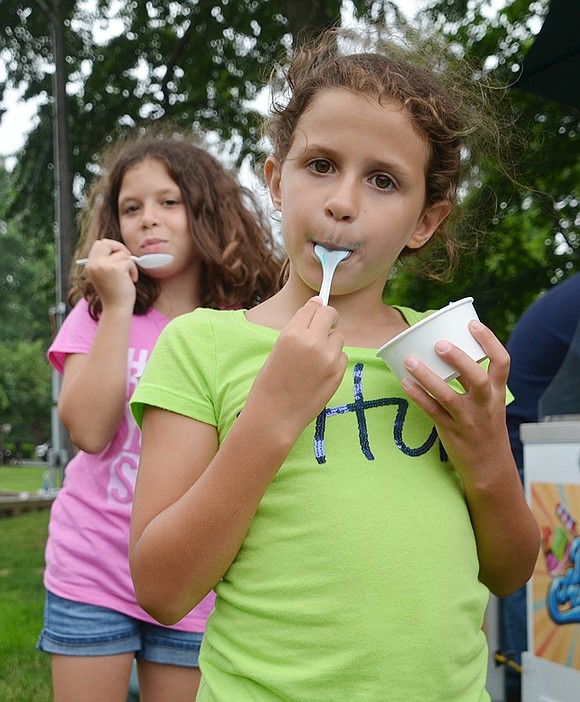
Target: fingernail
{"x":476,"y":325}
{"x":406,"y":383}
{"x":411,"y":363}
{"x":442,"y":346}
{"x":316,"y":298}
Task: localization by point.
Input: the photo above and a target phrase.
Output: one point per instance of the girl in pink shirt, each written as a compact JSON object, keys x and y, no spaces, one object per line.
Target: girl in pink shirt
{"x":157,"y":195}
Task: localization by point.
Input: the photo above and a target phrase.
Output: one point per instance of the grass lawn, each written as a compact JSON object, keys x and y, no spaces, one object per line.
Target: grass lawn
{"x":22,"y":478}
{"x":24,"y":671}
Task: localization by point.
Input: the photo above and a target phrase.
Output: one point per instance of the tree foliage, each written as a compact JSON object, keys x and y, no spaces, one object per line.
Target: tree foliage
{"x":26,"y":279}
{"x":26,"y":292}
{"x":25,"y":385}
{"x":531,"y":225}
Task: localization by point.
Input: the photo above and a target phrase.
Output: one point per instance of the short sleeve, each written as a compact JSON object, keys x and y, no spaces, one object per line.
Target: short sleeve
{"x":180,"y":375}
{"x":76,"y":335}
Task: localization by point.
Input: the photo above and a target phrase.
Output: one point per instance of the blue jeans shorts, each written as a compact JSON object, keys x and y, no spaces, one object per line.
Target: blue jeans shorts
{"x":78,"y":629}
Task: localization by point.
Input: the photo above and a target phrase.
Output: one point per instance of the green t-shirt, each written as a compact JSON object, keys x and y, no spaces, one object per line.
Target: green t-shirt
{"x":358,"y":578}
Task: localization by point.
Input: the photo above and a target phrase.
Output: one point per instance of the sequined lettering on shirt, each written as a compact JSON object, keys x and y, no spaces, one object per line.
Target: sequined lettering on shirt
{"x":359,"y":407}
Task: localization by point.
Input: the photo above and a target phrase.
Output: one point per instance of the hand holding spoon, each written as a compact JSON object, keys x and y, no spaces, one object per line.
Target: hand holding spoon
{"x":146,"y":262}
{"x":329,"y":260}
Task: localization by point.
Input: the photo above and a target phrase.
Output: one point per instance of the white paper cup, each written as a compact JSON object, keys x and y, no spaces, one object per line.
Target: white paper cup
{"x":447,"y":324}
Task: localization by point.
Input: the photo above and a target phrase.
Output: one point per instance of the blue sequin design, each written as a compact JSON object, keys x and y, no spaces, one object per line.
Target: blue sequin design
{"x":359,"y":407}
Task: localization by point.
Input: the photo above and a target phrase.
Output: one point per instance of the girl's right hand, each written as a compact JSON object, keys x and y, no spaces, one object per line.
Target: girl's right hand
{"x":113,"y":273}
{"x":303,"y":371}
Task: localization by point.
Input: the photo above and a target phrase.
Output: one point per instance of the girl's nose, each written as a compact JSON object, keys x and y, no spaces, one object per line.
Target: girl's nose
{"x":341,"y":203}
{"x":149,"y":217}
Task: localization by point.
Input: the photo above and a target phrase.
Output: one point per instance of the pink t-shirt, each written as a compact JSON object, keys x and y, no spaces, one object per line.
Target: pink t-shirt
{"x":87,"y":549}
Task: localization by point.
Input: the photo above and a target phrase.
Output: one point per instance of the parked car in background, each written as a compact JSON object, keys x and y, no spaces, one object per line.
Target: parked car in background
{"x":43,"y":451}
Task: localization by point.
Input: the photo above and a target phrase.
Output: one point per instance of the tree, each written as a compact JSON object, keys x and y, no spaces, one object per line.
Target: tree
{"x":26,"y":293}
{"x":25,"y":384}
{"x":532,"y":231}
{"x":26,"y":278}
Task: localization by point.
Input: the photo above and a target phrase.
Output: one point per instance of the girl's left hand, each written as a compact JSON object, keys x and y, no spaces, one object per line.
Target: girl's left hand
{"x":472,"y":425}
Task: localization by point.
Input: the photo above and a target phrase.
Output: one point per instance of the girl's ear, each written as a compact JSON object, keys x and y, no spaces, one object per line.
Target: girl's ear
{"x":428,"y":223}
{"x":273,"y":179}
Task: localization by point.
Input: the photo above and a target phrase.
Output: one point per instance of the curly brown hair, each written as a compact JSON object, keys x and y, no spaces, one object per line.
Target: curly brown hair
{"x":444,"y":102}
{"x":239,"y":259}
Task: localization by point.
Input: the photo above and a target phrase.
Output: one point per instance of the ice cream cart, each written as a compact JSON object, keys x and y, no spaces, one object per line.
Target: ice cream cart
{"x":551,"y":666}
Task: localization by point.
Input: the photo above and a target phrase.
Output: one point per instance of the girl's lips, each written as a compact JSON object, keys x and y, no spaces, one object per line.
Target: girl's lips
{"x":153,"y":246}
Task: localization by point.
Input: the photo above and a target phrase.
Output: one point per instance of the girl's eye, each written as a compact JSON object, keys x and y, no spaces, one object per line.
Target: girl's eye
{"x":130,"y":209}
{"x":383,"y":182}
{"x":170,"y":202}
{"x":320,"y":165}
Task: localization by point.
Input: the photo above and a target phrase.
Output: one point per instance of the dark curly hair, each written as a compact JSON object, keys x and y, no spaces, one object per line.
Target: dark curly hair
{"x":239,"y":260}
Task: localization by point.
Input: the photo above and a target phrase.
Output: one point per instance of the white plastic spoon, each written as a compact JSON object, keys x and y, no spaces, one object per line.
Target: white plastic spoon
{"x":147,"y":261}
{"x":329,"y":260}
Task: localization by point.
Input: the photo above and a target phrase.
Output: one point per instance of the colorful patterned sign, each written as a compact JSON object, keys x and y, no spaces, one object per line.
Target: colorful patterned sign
{"x":556,"y":579}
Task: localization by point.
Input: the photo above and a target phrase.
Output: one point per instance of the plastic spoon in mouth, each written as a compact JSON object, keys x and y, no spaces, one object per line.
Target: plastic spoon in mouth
{"x":329,"y":260}
{"x":146,"y":262}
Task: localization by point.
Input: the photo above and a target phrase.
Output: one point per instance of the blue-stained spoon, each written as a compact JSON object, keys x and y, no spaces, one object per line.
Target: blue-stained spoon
{"x":329,"y":260}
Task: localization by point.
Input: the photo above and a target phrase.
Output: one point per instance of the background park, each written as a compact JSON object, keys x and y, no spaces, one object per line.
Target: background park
{"x":99,"y":69}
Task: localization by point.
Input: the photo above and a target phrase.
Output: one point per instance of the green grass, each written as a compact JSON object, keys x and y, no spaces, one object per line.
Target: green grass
{"x":24,"y":671}
{"x":22,"y":478}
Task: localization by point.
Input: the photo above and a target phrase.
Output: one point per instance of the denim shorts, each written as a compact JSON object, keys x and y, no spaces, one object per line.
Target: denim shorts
{"x":78,"y":629}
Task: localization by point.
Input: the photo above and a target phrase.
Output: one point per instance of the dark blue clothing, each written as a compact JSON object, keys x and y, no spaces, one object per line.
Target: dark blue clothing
{"x":538,"y":345}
